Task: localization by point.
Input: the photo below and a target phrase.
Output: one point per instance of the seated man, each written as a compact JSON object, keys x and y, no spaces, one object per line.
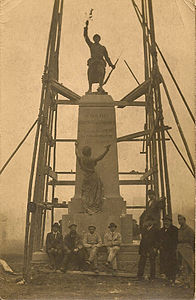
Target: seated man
{"x":112,"y":241}
{"x":54,"y":246}
{"x":92,"y":242}
{"x":73,"y":249}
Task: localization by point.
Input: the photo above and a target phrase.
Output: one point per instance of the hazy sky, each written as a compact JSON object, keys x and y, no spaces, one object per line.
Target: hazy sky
{"x":24,"y":35}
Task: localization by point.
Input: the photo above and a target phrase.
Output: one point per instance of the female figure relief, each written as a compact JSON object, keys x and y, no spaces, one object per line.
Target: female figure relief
{"x":92,"y":187}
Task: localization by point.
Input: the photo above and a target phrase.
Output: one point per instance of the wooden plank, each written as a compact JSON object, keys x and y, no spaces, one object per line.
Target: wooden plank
{"x":122,"y":104}
{"x":67,"y":102}
{"x":119,"y":104}
{"x":121,"y":182}
{"x":65,"y":140}
{"x":154,"y":129}
{"x":132,"y":136}
{"x":132,"y":182}
{"x":120,"y":173}
{"x":135,"y":206}
{"x":148,"y":173}
{"x":62,"y":182}
{"x":138,"y":91}
{"x":64,"y":91}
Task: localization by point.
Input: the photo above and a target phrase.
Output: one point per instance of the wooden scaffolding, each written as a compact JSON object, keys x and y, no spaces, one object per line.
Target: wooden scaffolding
{"x":43,"y":171}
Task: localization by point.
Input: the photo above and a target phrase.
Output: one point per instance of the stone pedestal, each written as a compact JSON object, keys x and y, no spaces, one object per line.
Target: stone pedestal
{"x":97,"y":128}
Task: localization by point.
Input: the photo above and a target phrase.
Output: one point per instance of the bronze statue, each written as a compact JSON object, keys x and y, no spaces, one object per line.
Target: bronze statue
{"x":97,"y":62}
{"x":92,"y":187}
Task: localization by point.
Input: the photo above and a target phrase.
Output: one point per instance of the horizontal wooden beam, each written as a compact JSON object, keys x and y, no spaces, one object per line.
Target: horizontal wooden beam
{"x":65,"y":140}
{"x":115,"y":103}
{"x":132,"y":136}
{"x":133,"y":182}
{"x":156,"y":129}
{"x":142,"y":140}
{"x":62,"y":90}
{"x":122,"y":104}
{"x":62,"y":182}
{"x":66,"y":172}
{"x":135,"y":206}
{"x":121,"y":182}
{"x":131,"y":173}
{"x":120,"y":173}
{"x":50,"y":205}
{"x":139,"y":91}
{"x":67,"y":102}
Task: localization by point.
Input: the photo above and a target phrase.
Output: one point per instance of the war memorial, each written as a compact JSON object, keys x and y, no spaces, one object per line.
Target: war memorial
{"x":97,"y":201}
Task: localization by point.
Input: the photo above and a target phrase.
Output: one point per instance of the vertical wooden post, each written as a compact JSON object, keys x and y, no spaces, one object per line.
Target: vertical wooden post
{"x":33,"y":234}
{"x":159,"y":108}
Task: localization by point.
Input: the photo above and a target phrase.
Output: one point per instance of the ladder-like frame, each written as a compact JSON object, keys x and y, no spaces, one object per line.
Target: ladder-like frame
{"x":43,"y":171}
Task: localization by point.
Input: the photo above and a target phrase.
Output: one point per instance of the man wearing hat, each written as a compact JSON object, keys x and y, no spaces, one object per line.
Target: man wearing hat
{"x":92,"y":242}
{"x":148,"y":248}
{"x":73,"y":249}
{"x":186,"y":249}
{"x":54,"y":246}
{"x":168,"y":239}
{"x":152,"y":210}
{"x":112,"y":241}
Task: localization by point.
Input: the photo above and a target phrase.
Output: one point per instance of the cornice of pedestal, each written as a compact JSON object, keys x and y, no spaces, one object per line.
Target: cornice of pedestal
{"x":95,"y":99}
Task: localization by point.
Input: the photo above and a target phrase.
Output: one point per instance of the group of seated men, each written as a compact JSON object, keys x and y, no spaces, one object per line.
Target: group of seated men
{"x":82,"y":251}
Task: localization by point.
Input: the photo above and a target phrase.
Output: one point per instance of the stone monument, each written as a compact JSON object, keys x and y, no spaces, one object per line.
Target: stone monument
{"x":97,"y":199}
{"x":97,"y":129}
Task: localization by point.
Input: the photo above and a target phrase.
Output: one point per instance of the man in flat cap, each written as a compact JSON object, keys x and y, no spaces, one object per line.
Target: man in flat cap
{"x":54,"y":247}
{"x":168,"y":239}
{"x":186,"y":249}
{"x":112,"y":241}
{"x":92,"y":242}
{"x":73,"y":249}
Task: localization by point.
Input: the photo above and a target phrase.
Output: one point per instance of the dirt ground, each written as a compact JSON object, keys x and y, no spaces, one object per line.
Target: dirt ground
{"x":55,"y":286}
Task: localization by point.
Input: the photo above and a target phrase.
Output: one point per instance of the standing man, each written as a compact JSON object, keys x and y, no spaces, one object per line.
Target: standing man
{"x":112,"y":241}
{"x":73,"y":249}
{"x":54,"y":247}
{"x":148,"y":248}
{"x":168,"y":239}
{"x":97,"y":62}
{"x":186,"y":248}
{"x":152,"y":210}
{"x":92,"y":242}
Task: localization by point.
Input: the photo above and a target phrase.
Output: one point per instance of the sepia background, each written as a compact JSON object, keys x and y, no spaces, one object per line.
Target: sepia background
{"x":24,"y":35}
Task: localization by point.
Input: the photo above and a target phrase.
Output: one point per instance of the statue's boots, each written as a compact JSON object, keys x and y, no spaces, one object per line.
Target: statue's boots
{"x":101,"y":90}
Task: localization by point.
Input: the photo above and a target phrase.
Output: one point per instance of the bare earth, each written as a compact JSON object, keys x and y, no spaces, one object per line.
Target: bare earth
{"x":53,"y":285}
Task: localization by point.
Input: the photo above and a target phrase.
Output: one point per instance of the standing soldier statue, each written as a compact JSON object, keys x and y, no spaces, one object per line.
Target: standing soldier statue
{"x":97,"y":62}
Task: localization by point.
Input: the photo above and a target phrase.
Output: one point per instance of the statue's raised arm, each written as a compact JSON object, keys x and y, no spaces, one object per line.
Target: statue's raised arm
{"x":88,"y":41}
{"x":103,"y":154}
